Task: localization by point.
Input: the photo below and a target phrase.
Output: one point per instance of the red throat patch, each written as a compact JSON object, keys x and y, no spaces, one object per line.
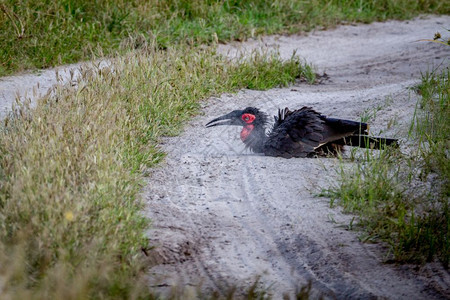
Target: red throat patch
{"x":246,"y":131}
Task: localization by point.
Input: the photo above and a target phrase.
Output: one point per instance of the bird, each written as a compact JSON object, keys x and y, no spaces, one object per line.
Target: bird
{"x":299,"y":133}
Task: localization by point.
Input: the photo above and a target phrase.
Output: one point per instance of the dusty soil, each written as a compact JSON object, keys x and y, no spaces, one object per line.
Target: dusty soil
{"x":223,"y":216}
{"x":32,"y":86}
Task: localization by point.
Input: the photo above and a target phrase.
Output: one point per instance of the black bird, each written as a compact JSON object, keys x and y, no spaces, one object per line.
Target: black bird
{"x":299,"y":133}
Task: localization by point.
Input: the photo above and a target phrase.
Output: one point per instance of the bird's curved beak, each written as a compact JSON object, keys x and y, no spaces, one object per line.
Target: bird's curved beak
{"x":233,"y":118}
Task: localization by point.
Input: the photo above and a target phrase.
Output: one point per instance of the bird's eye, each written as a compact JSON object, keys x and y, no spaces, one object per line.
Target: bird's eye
{"x":248,"y":118}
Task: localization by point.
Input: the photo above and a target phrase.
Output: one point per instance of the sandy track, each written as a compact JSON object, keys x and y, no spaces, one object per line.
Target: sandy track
{"x":222,"y":216}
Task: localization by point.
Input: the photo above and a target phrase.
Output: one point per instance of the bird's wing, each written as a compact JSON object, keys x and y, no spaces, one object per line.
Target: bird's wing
{"x":295,"y":133}
{"x":336,"y":129}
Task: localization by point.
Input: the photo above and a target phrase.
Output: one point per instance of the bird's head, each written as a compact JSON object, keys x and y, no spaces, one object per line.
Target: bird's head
{"x":250,"y":118}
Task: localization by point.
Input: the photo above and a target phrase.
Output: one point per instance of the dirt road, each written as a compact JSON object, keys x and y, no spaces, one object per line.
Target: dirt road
{"x":223,"y":216}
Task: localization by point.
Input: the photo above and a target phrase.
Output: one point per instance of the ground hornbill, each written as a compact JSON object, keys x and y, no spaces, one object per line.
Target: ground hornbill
{"x":299,"y":133}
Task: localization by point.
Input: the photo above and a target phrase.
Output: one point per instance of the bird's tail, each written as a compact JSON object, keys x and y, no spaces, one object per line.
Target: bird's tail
{"x":365,"y":141}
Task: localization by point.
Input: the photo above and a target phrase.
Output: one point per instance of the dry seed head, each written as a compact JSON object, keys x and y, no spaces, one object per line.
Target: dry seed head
{"x":68,"y":215}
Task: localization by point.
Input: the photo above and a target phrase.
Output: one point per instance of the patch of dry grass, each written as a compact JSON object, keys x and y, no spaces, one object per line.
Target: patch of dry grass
{"x":72,"y":168}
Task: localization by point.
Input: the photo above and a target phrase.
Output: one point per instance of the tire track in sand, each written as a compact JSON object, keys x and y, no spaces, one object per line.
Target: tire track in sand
{"x":244,"y":215}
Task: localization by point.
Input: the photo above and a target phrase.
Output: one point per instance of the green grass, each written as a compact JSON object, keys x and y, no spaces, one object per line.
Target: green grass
{"x":39,"y":34}
{"x":72,"y":168}
{"x":433,"y":127}
{"x":403,"y":199}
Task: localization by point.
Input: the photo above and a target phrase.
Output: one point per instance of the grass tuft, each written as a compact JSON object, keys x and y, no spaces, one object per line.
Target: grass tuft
{"x":269,"y":71}
{"x":432,"y":127}
{"x":403,"y":199}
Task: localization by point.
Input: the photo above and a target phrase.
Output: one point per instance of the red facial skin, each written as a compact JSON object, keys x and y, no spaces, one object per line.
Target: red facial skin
{"x":247,"y":118}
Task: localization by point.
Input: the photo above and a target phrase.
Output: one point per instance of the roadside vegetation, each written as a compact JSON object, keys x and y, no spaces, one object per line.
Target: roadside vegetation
{"x":403,"y":198}
{"x":71,"y":169}
{"x":37,"y":34}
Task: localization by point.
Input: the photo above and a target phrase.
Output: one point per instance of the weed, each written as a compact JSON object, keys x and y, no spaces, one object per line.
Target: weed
{"x":438,"y":39}
{"x":432,"y":125}
{"x":269,"y":71}
{"x":391,"y":191}
{"x":370,"y":114}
